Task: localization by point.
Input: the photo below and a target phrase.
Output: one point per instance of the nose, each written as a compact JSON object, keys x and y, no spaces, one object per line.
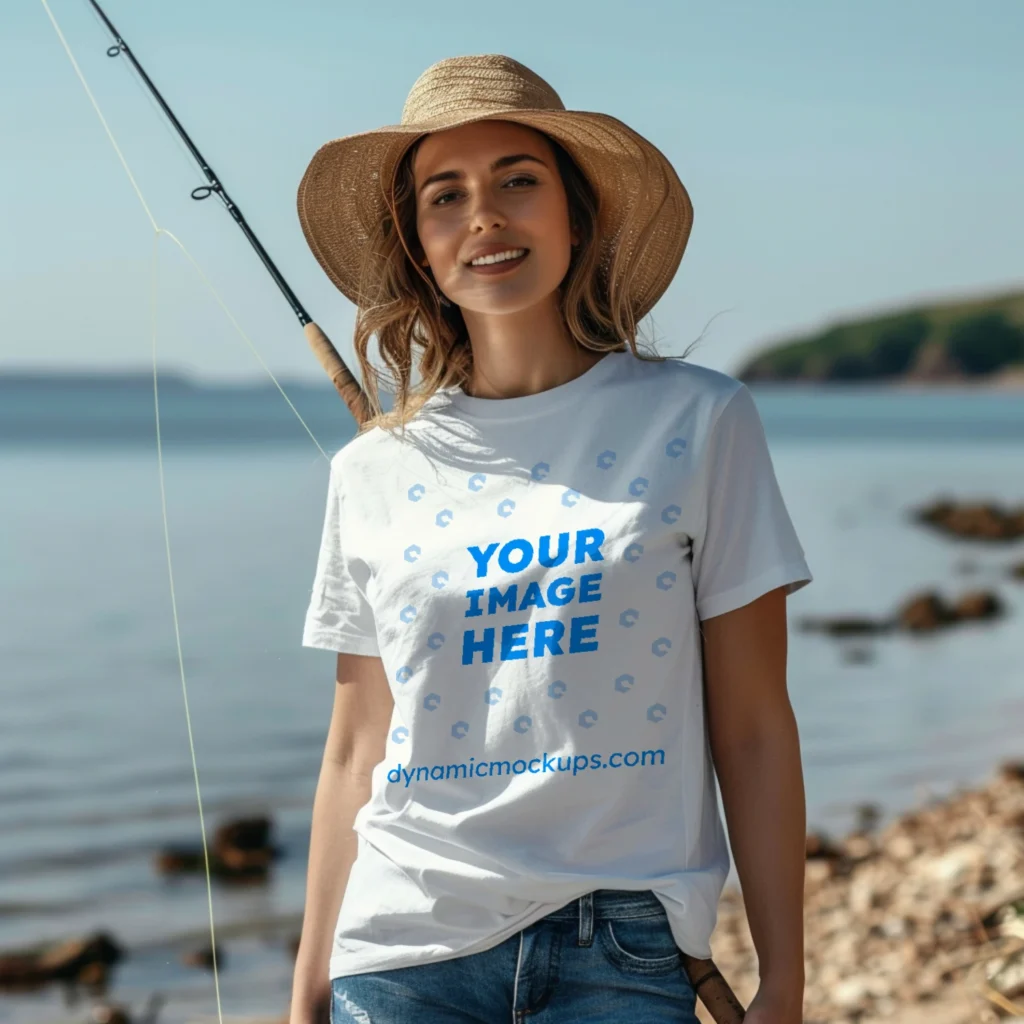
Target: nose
{"x":485,"y":214}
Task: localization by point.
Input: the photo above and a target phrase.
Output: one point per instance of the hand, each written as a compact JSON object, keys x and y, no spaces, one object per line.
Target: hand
{"x":772,"y":1008}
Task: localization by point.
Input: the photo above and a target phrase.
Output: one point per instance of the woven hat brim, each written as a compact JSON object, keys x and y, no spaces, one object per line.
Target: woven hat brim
{"x":341,"y":196}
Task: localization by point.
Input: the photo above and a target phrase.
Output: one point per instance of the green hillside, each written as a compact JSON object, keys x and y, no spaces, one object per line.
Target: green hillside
{"x":944,"y":341}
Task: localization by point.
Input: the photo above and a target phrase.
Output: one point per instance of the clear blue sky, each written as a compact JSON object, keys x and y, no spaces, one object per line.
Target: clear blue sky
{"x":841,"y":157}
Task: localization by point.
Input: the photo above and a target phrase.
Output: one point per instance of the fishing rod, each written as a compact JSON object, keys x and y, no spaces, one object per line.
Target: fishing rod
{"x":345,"y":383}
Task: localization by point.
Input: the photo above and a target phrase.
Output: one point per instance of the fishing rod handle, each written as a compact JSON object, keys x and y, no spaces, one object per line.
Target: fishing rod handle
{"x":345,"y":384}
{"x":713,"y":990}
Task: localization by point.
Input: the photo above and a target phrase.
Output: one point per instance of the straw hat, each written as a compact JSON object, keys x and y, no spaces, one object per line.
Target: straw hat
{"x":341,"y":195}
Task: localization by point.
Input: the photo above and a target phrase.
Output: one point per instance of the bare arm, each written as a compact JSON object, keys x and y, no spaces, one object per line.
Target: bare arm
{"x":355,"y":744}
{"x":756,"y":750}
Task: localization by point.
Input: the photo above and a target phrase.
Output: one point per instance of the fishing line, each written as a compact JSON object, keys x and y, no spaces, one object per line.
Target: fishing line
{"x":163,"y":231}
{"x":154,"y":323}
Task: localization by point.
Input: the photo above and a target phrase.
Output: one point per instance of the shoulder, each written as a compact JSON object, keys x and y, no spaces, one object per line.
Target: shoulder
{"x":373,"y":453}
{"x":675,"y":380}
{"x":360,"y":454}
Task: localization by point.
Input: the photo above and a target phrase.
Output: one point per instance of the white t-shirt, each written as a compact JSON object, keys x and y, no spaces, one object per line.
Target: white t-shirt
{"x":532,"y":571}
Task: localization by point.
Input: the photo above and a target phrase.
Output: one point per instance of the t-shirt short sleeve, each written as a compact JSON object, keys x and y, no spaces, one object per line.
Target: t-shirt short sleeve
{"x":339,"y":616}
{"x":749,"y":545}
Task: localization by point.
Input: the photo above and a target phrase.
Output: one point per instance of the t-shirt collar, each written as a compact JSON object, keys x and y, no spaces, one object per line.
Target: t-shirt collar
{"x":528,"y":406}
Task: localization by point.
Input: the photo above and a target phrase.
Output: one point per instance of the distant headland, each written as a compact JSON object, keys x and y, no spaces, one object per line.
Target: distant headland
{"x":130,"y":381}
{"x":977,"y":341}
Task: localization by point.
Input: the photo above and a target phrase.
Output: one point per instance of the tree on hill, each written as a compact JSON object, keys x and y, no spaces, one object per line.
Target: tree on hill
{"x":898,"y":344}
{"x":985,"y":343}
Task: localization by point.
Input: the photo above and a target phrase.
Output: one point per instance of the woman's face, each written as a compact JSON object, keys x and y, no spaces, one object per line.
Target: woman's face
{"x":486,"y":188}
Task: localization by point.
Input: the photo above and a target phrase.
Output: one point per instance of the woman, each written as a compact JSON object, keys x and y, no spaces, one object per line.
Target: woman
{"x":529,"y":570}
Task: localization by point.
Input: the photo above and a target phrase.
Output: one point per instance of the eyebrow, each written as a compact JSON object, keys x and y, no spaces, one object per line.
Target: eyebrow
{"x":502,"y":161}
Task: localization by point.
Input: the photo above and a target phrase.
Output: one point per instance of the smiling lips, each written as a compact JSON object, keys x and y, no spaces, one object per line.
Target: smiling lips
{"x":499,"y":262}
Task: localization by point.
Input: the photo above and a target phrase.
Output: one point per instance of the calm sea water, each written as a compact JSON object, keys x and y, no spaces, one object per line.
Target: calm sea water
{"x":95,"y":772}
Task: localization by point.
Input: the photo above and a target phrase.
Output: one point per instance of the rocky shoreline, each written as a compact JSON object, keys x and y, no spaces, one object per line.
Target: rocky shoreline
{"x":921,"y":921}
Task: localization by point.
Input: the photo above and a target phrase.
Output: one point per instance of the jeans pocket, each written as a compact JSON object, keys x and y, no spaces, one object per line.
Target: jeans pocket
{"x":643,"y":945}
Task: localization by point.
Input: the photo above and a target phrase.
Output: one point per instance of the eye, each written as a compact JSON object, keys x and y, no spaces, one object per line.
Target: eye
{"x":526,"y":179}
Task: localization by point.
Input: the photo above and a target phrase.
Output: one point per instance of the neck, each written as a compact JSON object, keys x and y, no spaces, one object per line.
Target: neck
{"x":523,"y":353}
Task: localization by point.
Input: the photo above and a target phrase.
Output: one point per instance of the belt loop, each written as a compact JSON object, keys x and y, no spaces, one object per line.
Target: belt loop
{"x":586,"y":935}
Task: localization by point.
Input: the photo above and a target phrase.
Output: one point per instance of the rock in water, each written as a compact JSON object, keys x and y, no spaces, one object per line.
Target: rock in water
{"x":924,"y":612}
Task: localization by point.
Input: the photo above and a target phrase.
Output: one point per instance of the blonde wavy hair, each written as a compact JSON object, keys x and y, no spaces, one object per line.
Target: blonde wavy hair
{"x":408,"y":315}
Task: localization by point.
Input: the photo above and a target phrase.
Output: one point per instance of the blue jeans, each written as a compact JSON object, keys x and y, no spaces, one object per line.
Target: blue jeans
{"x":608,"y":956}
